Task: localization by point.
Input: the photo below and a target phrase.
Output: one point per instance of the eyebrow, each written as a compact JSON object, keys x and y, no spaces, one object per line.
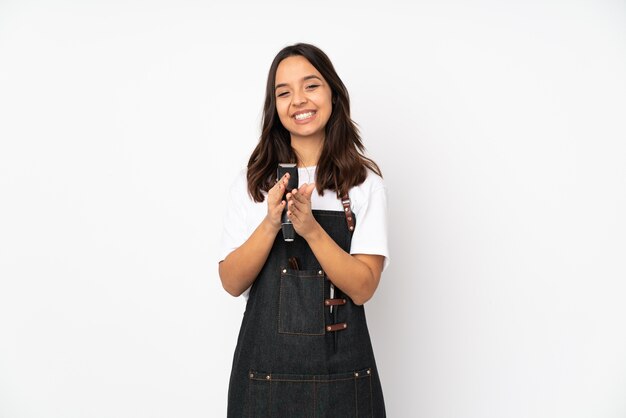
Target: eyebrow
{"x":308,"y":77}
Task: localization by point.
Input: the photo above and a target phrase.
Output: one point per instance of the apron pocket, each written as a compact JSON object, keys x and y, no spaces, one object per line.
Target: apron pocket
{"x":336,"y":395}
{"x":301,"y":302}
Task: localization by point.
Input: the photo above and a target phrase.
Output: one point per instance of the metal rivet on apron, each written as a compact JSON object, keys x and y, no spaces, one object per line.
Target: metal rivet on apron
{"x":267,"y":377}
{"x":328,"y":328}
{"x":369,"y":372}
{"x":356,"y":374}
{"x":320,"y":272}
{"x":284,"y":270}
{"x":346,"y":209}
{"x":251,"y":375}
{"x":349,"y":218}
{"x":351,"y":228}
{"x":345,"y":325}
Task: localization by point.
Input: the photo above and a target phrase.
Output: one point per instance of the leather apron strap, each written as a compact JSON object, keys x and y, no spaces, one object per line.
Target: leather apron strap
{"x":345,"y":201}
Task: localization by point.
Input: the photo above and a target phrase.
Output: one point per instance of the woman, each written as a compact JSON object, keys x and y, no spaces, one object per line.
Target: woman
{"x":304,"y":348}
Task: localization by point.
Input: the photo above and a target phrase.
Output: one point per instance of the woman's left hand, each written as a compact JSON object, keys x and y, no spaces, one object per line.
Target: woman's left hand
{"x":299,"y":210}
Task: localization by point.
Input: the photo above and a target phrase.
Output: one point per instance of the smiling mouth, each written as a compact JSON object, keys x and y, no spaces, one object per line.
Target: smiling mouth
{"x":305,"y":115}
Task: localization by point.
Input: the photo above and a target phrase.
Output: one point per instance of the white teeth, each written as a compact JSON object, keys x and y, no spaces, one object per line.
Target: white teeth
{"x":304,"y":115}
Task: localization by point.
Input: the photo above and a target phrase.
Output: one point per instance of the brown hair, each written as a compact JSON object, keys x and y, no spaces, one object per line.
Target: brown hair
{"x":342,"y":163}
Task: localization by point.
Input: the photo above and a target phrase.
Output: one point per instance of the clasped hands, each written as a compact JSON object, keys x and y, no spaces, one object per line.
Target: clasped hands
{"x":298,"y":203}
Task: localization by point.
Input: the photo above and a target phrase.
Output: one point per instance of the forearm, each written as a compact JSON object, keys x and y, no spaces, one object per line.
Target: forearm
{"x":353,"y":276}
{"x":241,"y":267}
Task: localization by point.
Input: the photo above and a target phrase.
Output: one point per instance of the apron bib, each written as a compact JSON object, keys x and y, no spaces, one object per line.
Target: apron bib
{"x":302,"y":352}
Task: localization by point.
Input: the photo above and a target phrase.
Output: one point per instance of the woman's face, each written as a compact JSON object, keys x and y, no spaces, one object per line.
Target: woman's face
{"x":303,"y":98}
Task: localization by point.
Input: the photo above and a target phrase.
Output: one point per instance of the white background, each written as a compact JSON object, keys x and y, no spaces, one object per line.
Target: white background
{"x":499,"y":127}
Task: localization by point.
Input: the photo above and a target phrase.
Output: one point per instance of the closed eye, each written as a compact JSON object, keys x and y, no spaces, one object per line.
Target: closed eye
{"x":312,"y":86}
{"x":283,"y":94}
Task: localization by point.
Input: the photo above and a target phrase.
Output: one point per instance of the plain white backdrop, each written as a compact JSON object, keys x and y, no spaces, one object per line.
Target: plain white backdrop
{"x":500,"y":130}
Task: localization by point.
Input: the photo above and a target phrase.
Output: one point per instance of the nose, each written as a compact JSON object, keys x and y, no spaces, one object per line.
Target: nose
{"x":299,"y":98}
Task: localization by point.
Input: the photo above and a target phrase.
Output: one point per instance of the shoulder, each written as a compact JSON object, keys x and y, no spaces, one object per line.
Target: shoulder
{"x":371,"y":192}
{"x":241,"y":179}
{"x":373,"y":180}
{"x":239,"y":186}
{"x":373,"y":183}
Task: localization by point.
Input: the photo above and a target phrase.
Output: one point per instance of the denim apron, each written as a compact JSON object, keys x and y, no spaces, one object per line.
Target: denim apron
{"x":302,"y":352}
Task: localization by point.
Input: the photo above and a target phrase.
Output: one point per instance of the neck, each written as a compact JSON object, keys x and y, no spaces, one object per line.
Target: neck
{"x":308,"y":150}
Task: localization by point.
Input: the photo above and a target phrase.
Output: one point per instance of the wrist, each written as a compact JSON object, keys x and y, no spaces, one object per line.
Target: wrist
{"x":270,"y":226}
{"x":315,"y":234}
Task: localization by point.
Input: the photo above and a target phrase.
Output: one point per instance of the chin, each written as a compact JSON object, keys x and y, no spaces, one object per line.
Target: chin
{"x":305,"y":134}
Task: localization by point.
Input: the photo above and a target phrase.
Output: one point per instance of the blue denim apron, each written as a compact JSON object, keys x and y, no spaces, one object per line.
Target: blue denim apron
{"x":301,"y":353}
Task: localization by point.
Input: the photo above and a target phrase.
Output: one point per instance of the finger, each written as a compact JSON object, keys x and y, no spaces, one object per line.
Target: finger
{"x":278,"y":208}
{"x":299,"y":197}
{"x":277,"y":191}
{"x":294,"y":200}
{"x":292,"y":217}
{"x":292,"y":206}
{"x":284,"y":178}
{"x":283,"y":181}
{"x":275,"y":194}
{"x":308,"y":191}
{"x":303,"y":199}
{"x":305,"y":191}
{"x":299,"y":211}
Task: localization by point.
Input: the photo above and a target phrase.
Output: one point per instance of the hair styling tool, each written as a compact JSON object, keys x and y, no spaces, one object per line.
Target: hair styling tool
{"x":292,"y":169}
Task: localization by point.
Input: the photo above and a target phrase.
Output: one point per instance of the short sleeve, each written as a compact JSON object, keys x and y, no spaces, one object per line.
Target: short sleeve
{"x":234,"y":233}
{"x":370,"y":209}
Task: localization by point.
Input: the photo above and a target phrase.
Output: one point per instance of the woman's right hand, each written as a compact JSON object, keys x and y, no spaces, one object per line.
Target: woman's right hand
{"x":241,"y":267}
{"x":275,"y":202}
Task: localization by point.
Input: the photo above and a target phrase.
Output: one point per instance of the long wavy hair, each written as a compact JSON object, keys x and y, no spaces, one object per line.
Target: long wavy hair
{"x":342,"y":163}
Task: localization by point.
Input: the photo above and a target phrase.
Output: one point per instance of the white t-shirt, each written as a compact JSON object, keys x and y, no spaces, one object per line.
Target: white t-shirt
{"x":368,"y":203}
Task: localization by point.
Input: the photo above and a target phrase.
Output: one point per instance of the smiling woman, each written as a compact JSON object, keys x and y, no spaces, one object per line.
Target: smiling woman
{"x":304,"y":347}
